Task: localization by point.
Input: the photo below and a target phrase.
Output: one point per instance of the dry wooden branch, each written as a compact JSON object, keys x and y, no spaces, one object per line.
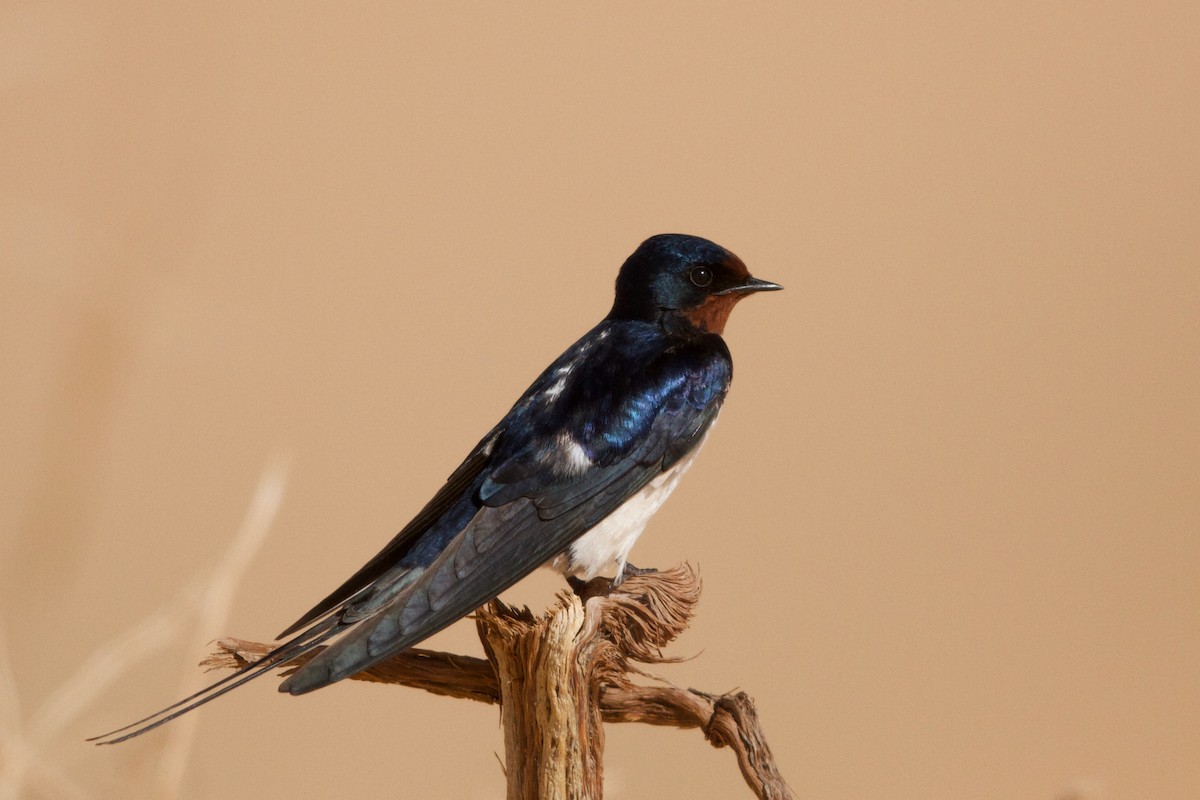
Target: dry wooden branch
{"x":558,"y":676}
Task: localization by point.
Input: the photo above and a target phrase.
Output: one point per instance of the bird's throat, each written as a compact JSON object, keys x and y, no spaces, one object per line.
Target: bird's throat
{"x":711,"y":315}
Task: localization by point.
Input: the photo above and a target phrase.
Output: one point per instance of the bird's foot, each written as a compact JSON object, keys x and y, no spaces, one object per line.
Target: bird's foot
{"x":629,"y":571}
{"x":596,"y":587}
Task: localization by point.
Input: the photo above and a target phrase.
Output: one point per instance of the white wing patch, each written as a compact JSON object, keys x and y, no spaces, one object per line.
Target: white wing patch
{"x":570,"y":457}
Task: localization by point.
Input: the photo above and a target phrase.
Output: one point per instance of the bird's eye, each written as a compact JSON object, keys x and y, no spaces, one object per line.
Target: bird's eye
{"x":701,"y":276}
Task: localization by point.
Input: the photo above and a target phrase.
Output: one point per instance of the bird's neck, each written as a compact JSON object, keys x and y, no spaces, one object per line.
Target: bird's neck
{"x":703,"y":320}
{"x":711,"y":315}
{"x":708,"y":317}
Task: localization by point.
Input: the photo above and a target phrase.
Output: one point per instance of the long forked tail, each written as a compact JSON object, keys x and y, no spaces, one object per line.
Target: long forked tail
{"x":294,"y":648}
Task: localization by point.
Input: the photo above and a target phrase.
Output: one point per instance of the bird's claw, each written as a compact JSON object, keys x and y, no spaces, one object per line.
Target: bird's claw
{"x":599,"y":587}
{"x":629,"y":571}
{"x":596,"y":587}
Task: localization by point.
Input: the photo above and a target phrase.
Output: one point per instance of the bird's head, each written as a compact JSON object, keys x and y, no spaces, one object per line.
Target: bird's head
{"x":677,"y":278}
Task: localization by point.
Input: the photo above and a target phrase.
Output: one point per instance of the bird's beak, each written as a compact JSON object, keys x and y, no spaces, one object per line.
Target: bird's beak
{"x":751,"y":285}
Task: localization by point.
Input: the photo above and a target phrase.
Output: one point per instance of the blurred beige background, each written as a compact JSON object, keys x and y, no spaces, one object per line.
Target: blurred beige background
{"x":948,"y":525}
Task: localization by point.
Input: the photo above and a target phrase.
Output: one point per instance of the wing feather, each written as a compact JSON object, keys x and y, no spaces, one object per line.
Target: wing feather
{"x":386,"y":559}
{"x":505,"y":542}
{"x":510,"y":506}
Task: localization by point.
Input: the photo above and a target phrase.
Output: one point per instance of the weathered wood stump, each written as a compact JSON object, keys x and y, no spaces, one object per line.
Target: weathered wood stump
{"x":559,"y":676}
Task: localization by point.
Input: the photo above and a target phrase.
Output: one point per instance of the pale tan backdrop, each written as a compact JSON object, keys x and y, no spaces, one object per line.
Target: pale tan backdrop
{"x":948,"y":525}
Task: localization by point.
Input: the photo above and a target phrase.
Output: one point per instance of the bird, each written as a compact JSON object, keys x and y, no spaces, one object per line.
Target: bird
{"x":568,"y":478}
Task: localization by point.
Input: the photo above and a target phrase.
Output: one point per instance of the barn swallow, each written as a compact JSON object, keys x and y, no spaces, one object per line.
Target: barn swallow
{"x":569,"y":478}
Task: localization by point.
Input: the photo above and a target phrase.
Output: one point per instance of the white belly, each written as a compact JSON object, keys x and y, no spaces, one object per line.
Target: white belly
{"x":604,"y":549}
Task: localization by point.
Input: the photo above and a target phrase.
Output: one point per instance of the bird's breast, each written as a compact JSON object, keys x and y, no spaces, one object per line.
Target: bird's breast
{"x":604,"y":549}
